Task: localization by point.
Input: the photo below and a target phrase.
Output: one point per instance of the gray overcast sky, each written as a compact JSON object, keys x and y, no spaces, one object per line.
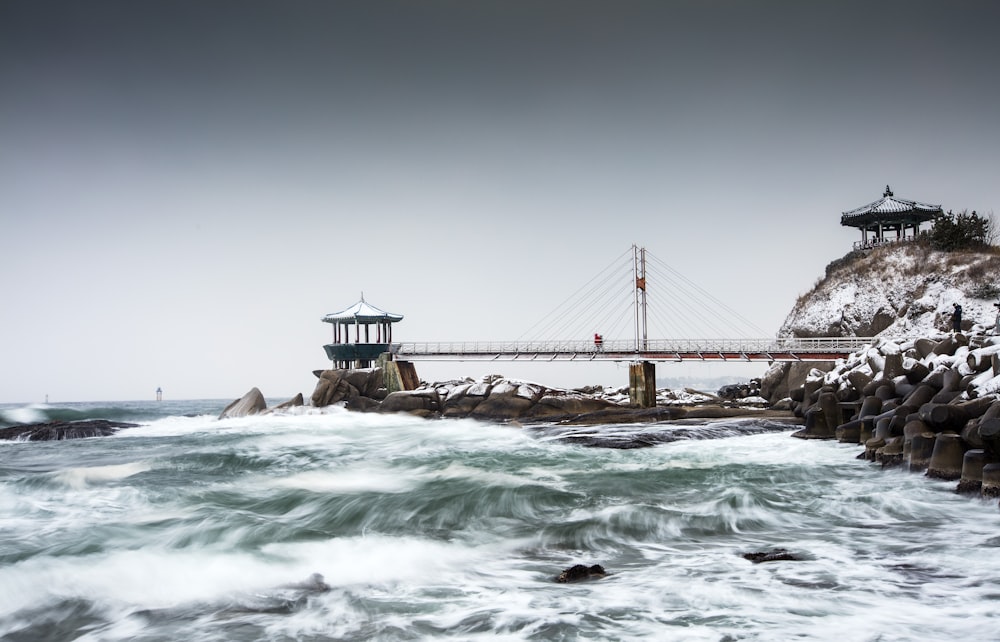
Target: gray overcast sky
{"x":187,"y":187}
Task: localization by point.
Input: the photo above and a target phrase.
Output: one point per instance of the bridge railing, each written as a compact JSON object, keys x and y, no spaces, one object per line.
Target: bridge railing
{"x":627,"y":347}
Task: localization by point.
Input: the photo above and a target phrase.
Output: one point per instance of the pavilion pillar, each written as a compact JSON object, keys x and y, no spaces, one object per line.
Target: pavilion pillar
{"x":642,"y":384}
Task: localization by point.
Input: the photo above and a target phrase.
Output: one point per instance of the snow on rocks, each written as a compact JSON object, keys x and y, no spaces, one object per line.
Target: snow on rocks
{"x":496,"y":398}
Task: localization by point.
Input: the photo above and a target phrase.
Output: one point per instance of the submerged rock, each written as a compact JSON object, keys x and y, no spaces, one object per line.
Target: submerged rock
{"x":775,"y":555}
{"x":580,"y":572}
{"x":57,"y":430}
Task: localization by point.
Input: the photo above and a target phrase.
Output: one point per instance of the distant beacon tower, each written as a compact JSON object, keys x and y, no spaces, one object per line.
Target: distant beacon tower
{"x":889,"y":214}
{"x":358,"y":320}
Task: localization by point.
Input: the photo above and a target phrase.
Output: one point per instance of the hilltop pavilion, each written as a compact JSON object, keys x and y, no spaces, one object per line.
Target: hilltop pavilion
{"x":360,"y":318}
{"x":886,"y":215}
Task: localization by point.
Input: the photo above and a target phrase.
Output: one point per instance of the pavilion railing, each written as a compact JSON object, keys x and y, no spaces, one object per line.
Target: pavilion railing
{"x":874,"y":243}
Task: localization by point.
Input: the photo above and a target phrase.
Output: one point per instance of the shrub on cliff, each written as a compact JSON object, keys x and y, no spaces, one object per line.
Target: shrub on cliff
{"x":844,"y":261}
{"x":951,"y":232}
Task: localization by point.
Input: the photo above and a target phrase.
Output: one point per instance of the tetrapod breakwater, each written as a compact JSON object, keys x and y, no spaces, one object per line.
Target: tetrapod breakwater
{"x":930,"y":404}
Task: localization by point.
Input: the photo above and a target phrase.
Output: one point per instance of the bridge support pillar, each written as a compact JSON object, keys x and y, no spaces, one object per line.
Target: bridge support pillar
{"x":397,"y":375}
{"x":642,"y":384}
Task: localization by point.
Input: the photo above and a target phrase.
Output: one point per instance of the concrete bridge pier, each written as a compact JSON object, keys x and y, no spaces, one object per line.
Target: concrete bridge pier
{"x":397,"y":375}
{"x":642,"y":384}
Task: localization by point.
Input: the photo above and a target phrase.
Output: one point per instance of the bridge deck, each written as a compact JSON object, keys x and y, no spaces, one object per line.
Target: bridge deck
{"x":786,"y":349}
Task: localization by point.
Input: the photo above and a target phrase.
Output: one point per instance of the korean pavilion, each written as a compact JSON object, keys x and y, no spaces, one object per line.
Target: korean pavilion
{"x":360,"y":334}
{"x":889,"y":219}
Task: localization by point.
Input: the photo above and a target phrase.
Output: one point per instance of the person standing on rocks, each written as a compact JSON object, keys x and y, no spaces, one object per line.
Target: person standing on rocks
{"x":996,"y":328}
{"x":956,"y":318}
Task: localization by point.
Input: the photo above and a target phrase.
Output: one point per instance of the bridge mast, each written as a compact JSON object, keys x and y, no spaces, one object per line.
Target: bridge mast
{"x":641,"y":374}
{"x":639,"y":271}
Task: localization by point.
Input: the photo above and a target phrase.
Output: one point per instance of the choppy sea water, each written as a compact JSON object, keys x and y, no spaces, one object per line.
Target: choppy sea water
{"x":191,"y":528}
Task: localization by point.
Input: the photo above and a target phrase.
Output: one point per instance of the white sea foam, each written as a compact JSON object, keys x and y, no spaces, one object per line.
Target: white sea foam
{"x":32,"y":414}
{"x":348,"y":480}
{"x":85,"y":476}
{"x":457,"y":529}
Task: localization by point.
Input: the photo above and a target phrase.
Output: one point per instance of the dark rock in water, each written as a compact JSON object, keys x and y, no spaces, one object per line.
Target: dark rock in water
{"x":580,"y":572}
{"x":625,"y":414}
{"x":775,"y":555}
{"x":629,"y":436}
{"x":315,"y":584}
{"x":58,"y":430}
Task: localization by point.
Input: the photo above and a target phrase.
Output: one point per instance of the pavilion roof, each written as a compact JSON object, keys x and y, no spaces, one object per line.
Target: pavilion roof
{"x":889,"y":208}
{"x":362,"y":312}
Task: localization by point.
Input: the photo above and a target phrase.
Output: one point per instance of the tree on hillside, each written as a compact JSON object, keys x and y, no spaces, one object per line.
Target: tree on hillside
{"x":951,"y":232}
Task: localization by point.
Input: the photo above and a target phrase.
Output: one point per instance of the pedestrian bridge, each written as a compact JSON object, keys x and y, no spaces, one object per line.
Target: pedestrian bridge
{"x":617,"y":310}
{"x":670,"y":350}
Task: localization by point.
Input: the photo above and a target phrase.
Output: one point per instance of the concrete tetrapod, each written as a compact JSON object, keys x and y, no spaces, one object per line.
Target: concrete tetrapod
{"x":991,"y":480}
{"x":921,"y":449}
{"x":972,"y":471}
{"x":947,"y":457}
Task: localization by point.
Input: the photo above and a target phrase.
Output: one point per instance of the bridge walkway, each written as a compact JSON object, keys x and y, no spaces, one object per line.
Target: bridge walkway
{"x":676,"y":350}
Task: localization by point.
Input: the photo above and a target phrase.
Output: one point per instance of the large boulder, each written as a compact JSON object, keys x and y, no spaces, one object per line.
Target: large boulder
{"x":508,"y":400}
{"x":553,"y":404}
{"x":783,"y":377}
{"x":366,"y":381}
{"x":424,"y":402}
{"x":251,"y":403}
{"x":463,"y":400}
{"x":333,"y":387}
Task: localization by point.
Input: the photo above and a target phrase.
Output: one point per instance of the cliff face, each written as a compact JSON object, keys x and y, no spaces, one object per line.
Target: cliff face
{"x":898,"y":291}
{"x":903,"y":291}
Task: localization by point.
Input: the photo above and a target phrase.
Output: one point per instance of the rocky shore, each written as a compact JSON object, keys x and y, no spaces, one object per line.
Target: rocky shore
{"x":930,"y":404}
{"x":498,"y":399}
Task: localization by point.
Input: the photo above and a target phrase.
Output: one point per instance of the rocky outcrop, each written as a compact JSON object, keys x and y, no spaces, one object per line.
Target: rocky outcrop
{"x":251,"y":403}
{"x":335,"y":386}
{"x":931,"y":404}
{"x":784,"y":376}
{"x":294,"y":402}
{"x":58,"y":430}
{"x":423,"y":402}
{"x":495,"y":398}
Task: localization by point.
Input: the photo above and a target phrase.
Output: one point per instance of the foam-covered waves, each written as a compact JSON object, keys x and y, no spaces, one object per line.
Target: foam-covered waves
{"x":188,"y":527}
{"x":126,"y":411}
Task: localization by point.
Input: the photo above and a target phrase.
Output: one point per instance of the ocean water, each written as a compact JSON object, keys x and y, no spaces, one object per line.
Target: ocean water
{"x":190,"y":528}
